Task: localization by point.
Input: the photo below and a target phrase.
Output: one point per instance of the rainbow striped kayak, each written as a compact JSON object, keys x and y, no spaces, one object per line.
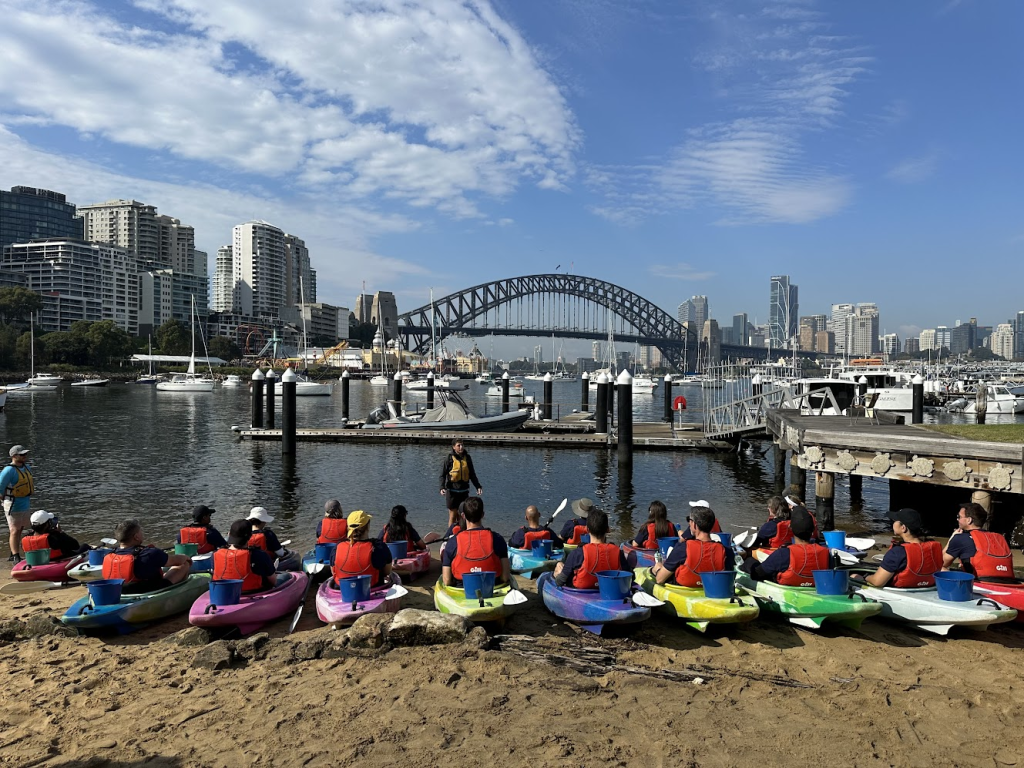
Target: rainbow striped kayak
{"x":454,"y":600}
{"x":692,"y":606}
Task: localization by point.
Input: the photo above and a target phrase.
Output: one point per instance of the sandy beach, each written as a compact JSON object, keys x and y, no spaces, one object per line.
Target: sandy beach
{"x":763,"y":694}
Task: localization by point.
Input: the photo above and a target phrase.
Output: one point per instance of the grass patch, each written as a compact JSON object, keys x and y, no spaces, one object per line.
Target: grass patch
{"x":996,"y":433}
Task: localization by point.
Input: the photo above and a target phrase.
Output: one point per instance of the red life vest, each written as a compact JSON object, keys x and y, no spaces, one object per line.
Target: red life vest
{"x":784,"y":533}
{"x":716,"y":528}
{"x":577,"y":531}
{"x":474,"y":553}
{"x":408,"y":536}
{"x":333,"y":530}
{"x":651,"y":542}
{"x":40,"y":541}
{"x":236,"y":564}
{"x":120,"y":566}
{"x":596,"y":558}
{"x":700,"y":556}
{"x":993,"y":559}
{"x":531,"y":536}
{"x":354,"y":558}
{"x":258,"y":540}
{"x":923,"y":560}
{"x":196,"y":534}
{"x":803,"y":559}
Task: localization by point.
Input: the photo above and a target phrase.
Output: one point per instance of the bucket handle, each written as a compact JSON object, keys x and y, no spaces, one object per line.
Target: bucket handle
{"x":991,"y":602}
{"x":85,"y":607}
{"x":857,"y":594}
{"x":210,"y":607}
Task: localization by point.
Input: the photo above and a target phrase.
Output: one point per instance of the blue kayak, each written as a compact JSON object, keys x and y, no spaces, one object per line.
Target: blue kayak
{"x":133,"y":612}
{"x":525,"y":563}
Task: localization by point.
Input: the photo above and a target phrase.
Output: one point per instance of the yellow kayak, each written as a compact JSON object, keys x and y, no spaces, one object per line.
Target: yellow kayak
{"x":691,"y":605}
{"x":497,"y":608}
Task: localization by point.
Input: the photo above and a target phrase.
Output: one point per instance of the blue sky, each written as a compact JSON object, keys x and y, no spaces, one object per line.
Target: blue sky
{"x":870,"y":150}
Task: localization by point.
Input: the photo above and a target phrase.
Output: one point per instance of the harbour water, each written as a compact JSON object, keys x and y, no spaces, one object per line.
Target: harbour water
{"x":101,"y":455}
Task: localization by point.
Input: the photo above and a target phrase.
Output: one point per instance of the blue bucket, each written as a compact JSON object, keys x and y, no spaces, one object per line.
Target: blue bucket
{"x":835,"y":540}
{"x":954,"y":586}
{"x":543,"y":548}
{"x":584,"y":539}
{"x":718,"y":584}
{"x":225,"y":591}
{"x":726,"y":539}
{"x":355,"y":589}
{"x":665,"y":543}
{"x":482,"y":581}
{"x":105,"y":591}
{"x":96,"y":556}
{"x":614,"y":585}
{"x":399,"y":549}
{"x":324,"y":553}
{"x":202,"y":563}
{"x":828,"y":582}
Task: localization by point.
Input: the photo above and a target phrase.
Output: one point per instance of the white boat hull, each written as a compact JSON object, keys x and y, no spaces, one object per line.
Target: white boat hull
{"x":1000,"y":405}
{"x":45,"y":381}
{"x":306,"y":389}
{"x":923,"y":608}
{"x":194,"y":385}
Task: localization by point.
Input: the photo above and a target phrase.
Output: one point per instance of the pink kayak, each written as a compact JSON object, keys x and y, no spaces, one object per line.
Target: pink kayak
{"x":53,"y":571}
{"x":415,"y":563}
{"x":253,"y":610}
{"x":383,"y":599}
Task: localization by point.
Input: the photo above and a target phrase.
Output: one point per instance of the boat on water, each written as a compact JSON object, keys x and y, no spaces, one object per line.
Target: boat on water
{"x":450,"y":415}
{"x":643,"y":382}
{"x":151,"y":377}
{"x":232,"y":380}
{"x":515,"y":389}
{"x":441,"y":382}
{"x":90,"y":383}
{"x":998,"y":399}
{"x":190,"y":381}
{"x":304,"y":387}
{"x":45,"y":380}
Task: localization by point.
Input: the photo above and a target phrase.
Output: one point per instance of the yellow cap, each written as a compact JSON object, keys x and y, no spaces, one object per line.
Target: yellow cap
{"x":358,"y":519}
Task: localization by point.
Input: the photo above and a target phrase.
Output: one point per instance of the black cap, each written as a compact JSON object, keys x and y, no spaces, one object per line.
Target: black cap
{"x":801,"y":523}
{"x":909,"y":517}
{"x":240,"y":532}
{"x":198,"y":513}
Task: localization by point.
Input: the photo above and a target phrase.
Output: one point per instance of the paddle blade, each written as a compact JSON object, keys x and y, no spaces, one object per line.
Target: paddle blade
{"x":560,"y":508}
{"x":745,"y":538}
{"x":295,"y":619}
{"x":985,"y":591}
{"x":286,"y":542}
{"x":515,"y":597}
{"x":28,"y":587}
{"x":109,"y":542}
{"x":857,"y":543}
{"x":845,"y":557}
{"x":395,"y":592}
{"x":431,"y":537}
{"x":646,"y":601}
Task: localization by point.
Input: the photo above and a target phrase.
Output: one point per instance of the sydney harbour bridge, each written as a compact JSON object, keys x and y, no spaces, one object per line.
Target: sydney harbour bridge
{"x":563,"y":306}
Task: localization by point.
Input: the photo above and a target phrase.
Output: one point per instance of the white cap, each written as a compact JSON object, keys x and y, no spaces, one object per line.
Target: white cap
{"x":18,"y":450}
{"x":40,"y":517}
{"x":261,"y":514}
{"x":700,"y":503}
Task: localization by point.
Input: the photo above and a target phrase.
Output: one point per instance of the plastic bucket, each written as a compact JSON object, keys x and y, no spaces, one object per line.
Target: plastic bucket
{"x":543,"y":548}
{"x":482,"y":581}
{"x":954,"y":586}
{"x":355,"y":589}
{"x":105,"y":591}
{"x":225,"y":591}
{"x":828,"y":582}
{"x":584,"y":539}
{"x":202,"y":563}
{"x":665,"y":543}
{"x":325,"y":553}
{"x":835,"y":540}
{"x":96,"y":556}
{"x":718,"y":584}
{"x":726,"y":539}
{"x":186,"y":549}
{"x":399,"y":549}
{"x":614,"y":585}
{"x":37,"y":556}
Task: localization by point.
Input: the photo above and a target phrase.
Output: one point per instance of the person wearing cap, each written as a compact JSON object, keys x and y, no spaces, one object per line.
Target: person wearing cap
{"x":239,"y":560}
{"x":700,"y":553}
{"x":793,"y":564}
{"x":577,"y":526}
{"x":911,"y":564}
{"x":360,"y":555}
{"x":686,"y":532}
{"x":456,"y":474}
{"x":46,"y":534}
{"x":332,"y":527}
{"x":982,"y":553}
{"x":474,"y":549}
{"x":17,"y":486}
{"x":264,"y":538}
{"x":202,"y":532}
{"x":142,"y":567}
{"x":580,"y":567}
{"x":658,"y":526}
{"x":533,"y":531}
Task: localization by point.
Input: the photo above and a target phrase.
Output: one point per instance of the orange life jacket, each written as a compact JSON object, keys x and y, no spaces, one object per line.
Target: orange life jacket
{"x":577,"y":531}
{"x":120,"y":566}
{"x":923,"y":560}
{"x":354,"y":558}
{"x":236,"y":564}
{"x":531,"y":536}
{"x":258,"y":540}
{"x":474,"y":553}
{"x":993,"y":559}
{"x":803,"y":560}
{"x":40,"y":541}
{"x":596,"y":558}
{"x":651,"y":542}
{"x":196,"y":534}
{"x":716,"y":528}
{"x":386,"y":538}
{"x":784,"y":533}
{"x":700,"y":556}
{"x":333,"y":530}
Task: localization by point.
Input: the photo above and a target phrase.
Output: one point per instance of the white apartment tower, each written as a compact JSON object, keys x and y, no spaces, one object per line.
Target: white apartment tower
{"x":259,"y":269}
{"x":223,"y":281}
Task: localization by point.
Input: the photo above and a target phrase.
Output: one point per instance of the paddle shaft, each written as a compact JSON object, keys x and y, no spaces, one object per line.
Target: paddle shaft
{"x":302,"y":604}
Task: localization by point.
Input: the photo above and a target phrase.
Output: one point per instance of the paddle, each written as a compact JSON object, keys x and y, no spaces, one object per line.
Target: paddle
{"x":646,"y":601}
{"x":396,"y":591}
{"x":28,"y":587}
{"x":861,"y":544}
{"x":560,"y":508}
{"x":302,"y":604}
{"x":745,"y":538}
{"x":845,"y":557}
{"x":431,"y":537}
{"x":985,"y":591}
{"x":514,"y":596}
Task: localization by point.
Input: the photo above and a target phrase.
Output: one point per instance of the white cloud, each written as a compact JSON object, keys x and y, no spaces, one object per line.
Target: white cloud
{"x":914,"y":169}
{"x":909,"y":331}
{"x":680,"y":271}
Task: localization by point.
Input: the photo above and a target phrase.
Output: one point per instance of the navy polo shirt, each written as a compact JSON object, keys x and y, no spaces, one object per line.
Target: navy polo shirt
{"x":962,"y":546}
{"x":518,"y":539}
{"x":894,"y":561}
{"x":273,"y":543}
{"x":776,"y":563}
{"x":641,"y":534}
{"x":566,"y":533}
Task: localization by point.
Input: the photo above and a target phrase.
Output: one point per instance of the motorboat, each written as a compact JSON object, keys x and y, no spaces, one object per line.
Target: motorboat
{"x":450,"y":415}
{"x":304,"y":387}
{"x":836,"y":401}
{"x":998,"y":399}
{"x":441,"y":382}
{"x":515,"y":389}
{"x":232,"y":380}
{"x":190,"y":381}
{"x":90,"y":383}
{"x":642,"y":382}
{"x":45,"y":380}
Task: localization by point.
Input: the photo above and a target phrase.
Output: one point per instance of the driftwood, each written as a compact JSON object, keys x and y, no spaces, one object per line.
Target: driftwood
{"x":589,"y":660}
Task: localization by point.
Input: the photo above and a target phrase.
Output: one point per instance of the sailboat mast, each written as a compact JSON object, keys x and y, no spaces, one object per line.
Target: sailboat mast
{"x":32,"y":343}
{"x":433,"y":344}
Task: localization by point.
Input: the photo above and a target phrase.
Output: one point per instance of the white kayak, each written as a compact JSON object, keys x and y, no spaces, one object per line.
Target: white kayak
{"x":923,"y":609}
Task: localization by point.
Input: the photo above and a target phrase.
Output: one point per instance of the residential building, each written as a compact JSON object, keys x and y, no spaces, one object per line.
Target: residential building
{"x":912,"y":346}
{"x":928,"y":340}
{"x":1018,"y":336}
{"x":223,"y":281}
{"x":323,"y":322}
{"x":863,"y":338}
{"x":825,"y":341}
{"x":27,"y":213}
{"x":840,"y":327}
{"x":739,"y":329}
{"x":300,"y":287}
{"x":783,"y":312}
{"x":595,"y":350}
{"x":258,"y":269}
{"x":165,"y":294}
{"x":1003,"y":341}
{"x":890,"y":344}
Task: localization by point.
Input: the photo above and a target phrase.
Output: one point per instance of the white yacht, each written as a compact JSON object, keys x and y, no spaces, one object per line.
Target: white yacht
{"x":643,"y":382}
{"x":45,"y":380}
{"x":999,"y":399}
{"x":232,"y":380}
{"x":190,"y":381}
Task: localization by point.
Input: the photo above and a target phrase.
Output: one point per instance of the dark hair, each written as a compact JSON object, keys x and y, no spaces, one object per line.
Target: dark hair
{"x":126,"y":529}
{"x":42,"y":527}
{"x":473,"y":509}
{"x":657,"y":513}
{"x":703,"y":518}
{"x":457,"y":440}
{"x":597,"y":523}
{"x":398,"y":526}
{"x":776,"y":504}
{"x":976,"y":512}
{"x":332,"y":508}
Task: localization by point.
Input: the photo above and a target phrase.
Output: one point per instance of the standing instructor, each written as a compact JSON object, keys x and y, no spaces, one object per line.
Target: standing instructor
{"x":16,"y":486}
{"x":456,"y":474}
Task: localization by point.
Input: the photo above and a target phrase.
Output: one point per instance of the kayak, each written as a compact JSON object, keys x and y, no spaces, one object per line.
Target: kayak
{"x":253,"y":610}
{"x":453,"y":600}
{"x":923,"y":609}
{"x":1009,"y":594}
{"x":692,"y":606}
{"x":136,"y":611}
{"x":56,"y":570}
{"x":416,"y":563}
{"x":586,"y":608}
{"x":84,"y":572}
{"x":524,"y":562}
{"x":333,"y":610}
{"x":644,"y":558}
{"x":290,"y":562}
{"x":309,"y":562}
{"x":804,"y":607}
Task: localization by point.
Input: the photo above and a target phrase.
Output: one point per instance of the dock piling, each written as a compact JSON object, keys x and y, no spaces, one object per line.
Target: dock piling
{"x":504,"y":392}
{"x":797,"y":477}
{"x":345,"y":382}
{"x":824,"y":499}
{"x":258,"y":380}
{"x":545,"y":408}
{"x":601,"y":404}
{"x":397,"y":390}
{"x":779,"y":455}
{"x":288,"y":412}
{"x":981,"y":403}
{"x":856,"y":490}
{"x":430,"y":390}
{"x":585,"y":393}
{"x":917,"y":409}
{"x":667,"y":415}
{"x":624,"y":385}
{"x":271,"y":394}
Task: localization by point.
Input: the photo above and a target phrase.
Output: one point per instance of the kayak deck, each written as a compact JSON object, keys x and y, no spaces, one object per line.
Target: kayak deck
{"x":693,"y":606}
{"x":924,"y":609}
{"x":525,"y":563}
{"x":333,"y":610}
{"x":453,"y":600}
{"x":135,"y":611}
{"x":586,"y":607}
{"x":804,"y":607}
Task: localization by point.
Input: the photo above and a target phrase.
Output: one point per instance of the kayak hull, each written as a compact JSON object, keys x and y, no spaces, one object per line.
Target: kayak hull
{"x":54,"y":571}
{"x":415,"y":564}
{"x":333,"y":610}
{"x":453,"y":600}
{"x":526,"y":564}
{"x":693,"y":606}
{"x":586,"y":608}
{"x":136,"y":611}
{"x":254,"y":610}
{"x":644,"y":557}
{"x":1010,"y":595}
{"x":804,"y":607}
{"x":923,"y":609}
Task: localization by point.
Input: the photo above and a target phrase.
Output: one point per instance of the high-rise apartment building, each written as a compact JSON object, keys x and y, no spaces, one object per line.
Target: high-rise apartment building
{"x":840,"y":327}
{"x":1018,"y":335}
{"x":223,"y":281}
{"x":259,"y":269}
{"x":927,"y":340}
{"x":890,"y":344}
{"x":825,"y":341}
{"x":1002,"y":341}
{"x":739,"y":329}
{"x":27,"y":213}
{"x":300,"y":276}
{"x":912,"y":346}
{"x":783,"y":311}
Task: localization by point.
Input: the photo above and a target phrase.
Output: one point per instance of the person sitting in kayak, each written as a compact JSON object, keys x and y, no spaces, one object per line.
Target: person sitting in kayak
{"x":202,"y":532}
{"x":912,"y":564}
{"x":458,"y":525}
{"x":361,"y":555}
{"x":688,"y":560}
{"x":686,"y":532}
{"x":581,"y":566}
{"x":332,"y":529}
{"x":239,"y":560}
{"x":141,"y":566}
{"x":46,"y":534}
{"x":262,"y":537}
{"x":474,"y":549}
{"x":778,"y":510}
{"x":793,"y":564}
{"x":657,"y":527}
{"x":533,"y":531}
{"x":982,"y":553}
{"x":577,"y":526}
{"x":398,"y":528}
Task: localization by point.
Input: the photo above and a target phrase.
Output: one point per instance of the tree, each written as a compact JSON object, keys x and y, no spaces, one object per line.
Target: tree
{"x":24,"y":349}
{"x":225,"y":348}
{"x":8,"y":345}
{"x":107,"y":343}
{"x":65,"y":347}
{"x":17,"y":303}
{"x":173,"y":339}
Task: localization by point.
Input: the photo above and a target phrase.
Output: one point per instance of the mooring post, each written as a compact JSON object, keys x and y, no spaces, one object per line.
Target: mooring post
{"x":624,"y":385}
{"x":984,"y":498}
{"x":797,"y":476}
{"x":856,"y":489}
{"x":545,"y":408}
{"x":258,"y":380}
{"x":981,"y":402}
{"x":601,"y":404}
{"x":345,"y":380}
{"x":398,"y":392}
{"x":585,"y":393}
{"x":667,"y":414}
{"x":272,"y":392}
{"x":504,"y":392}
{"x":917,"y":409}
{"x":825,"y":499}
{"x":862,"y":391}
{"x":430,"y":390}
{"x":288,"y":412}
{"x":779,"y":455}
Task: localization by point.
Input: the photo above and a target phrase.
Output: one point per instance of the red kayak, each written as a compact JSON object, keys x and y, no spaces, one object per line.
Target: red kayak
{"x":1010,"y":595}
{"x":54,"y":571}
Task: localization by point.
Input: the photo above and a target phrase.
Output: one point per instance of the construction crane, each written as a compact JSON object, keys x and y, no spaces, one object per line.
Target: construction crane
{"x":329,"y":353}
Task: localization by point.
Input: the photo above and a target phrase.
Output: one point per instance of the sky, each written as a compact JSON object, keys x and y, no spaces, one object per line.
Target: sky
{"x":870,"y":150}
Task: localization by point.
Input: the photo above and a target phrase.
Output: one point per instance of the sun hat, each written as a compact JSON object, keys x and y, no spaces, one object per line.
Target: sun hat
{"x":358,"y":519}
{"x":261,"y":514}
{"x":583,"y":506}
{"x":18,"y":450}
{"x":40,"y":517}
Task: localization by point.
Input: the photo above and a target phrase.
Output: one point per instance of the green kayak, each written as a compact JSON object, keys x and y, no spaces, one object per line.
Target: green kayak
{"x":693,"y":606}
{"x":495,"y":608}
{"x":804,"y":607}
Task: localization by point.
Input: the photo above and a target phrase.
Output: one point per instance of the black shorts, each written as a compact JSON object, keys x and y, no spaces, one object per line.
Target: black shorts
{"x":455,"y":498}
